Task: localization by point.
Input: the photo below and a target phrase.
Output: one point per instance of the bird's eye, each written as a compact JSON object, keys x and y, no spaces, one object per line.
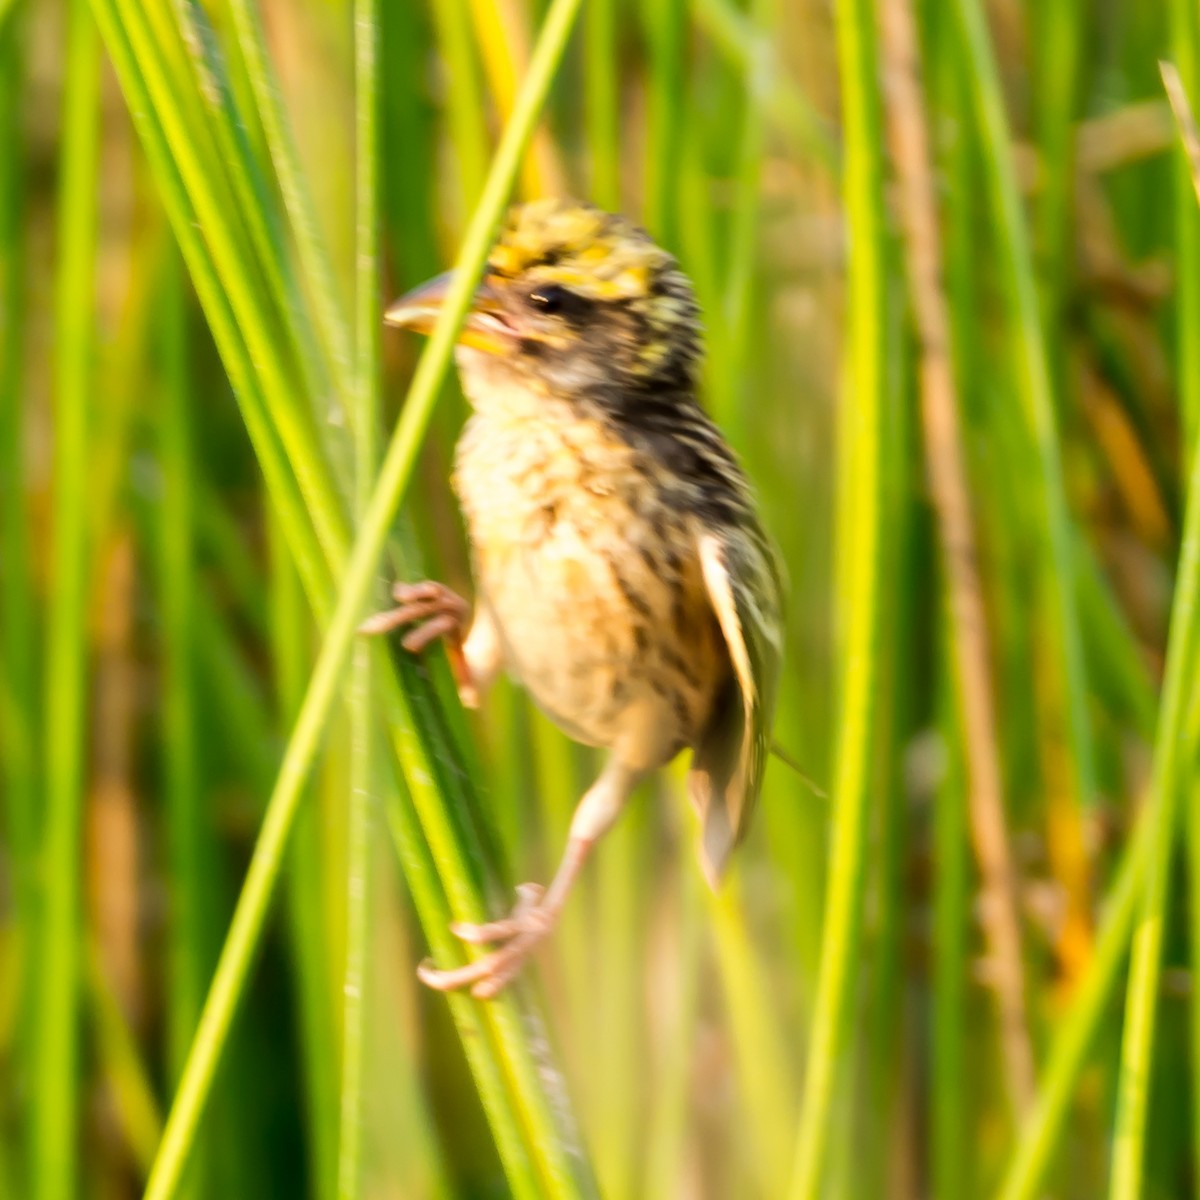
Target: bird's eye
{"x":551,"y":298}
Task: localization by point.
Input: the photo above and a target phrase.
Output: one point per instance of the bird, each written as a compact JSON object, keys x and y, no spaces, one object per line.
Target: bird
{"x":622,"y":573}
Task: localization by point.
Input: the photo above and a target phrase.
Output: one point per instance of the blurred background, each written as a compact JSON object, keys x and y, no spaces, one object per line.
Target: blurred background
{"x":156,"y":638}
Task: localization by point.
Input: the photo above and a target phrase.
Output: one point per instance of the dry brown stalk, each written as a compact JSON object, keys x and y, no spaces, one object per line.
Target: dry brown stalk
{"x":951,"y":500}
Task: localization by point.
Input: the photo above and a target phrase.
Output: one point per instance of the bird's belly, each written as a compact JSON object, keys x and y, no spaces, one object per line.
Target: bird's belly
{"x":593,"y":582}
{"x":615,"y":653}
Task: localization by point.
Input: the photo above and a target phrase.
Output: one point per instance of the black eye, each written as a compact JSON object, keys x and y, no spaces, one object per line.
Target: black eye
{"x":551,"y":298}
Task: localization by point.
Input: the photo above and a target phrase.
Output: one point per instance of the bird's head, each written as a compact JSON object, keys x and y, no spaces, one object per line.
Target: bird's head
{"x":576,"y":301}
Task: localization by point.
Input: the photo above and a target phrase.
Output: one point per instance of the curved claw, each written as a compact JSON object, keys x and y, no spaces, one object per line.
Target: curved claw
{"x":521,"y":931}
{"x":524,"y":918}
{"x":489,"y":974}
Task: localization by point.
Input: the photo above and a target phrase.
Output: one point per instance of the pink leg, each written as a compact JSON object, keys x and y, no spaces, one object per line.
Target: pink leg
{"x":537,"y":911}
{"x":532,"y":920}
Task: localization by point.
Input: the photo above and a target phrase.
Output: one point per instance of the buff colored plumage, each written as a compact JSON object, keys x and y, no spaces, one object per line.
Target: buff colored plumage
{"x":622,"y":574}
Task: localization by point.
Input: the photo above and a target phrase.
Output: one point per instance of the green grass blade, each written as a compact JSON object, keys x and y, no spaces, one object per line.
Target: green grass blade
{"x":19,"y":706}
{"x":356,"y":979}
{"x":752,"y":52}
{"x":186,"y":822}
{"x":230,"y":977}
{"x":1043,"y":474}
{"x":950,"y":1119}
{"x":290,"y":628}
{"x":18,"y":631}
{"x":1173,"y":759}
{"x":241,"y":361}
{"x":666,"y":27}
{"x":126,"y":1074}
{"x":467,"y":111}
{"x":602,"y":81}
{"x":512,"y":1076}
{"x":330,"y":323}
{"x":1062,"y":32}
{"x":1024,"y":1175}
{"x":861,"y":549}
{"x":1185,"y":50}
{"x":970,"y":637}
{"x":55,"y":1166}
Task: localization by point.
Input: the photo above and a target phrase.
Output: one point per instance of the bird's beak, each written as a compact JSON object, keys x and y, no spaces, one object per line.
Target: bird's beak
{"x":485,"y":329}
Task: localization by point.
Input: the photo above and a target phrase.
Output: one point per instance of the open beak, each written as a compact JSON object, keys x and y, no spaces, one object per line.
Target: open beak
{"x":485,"y":328}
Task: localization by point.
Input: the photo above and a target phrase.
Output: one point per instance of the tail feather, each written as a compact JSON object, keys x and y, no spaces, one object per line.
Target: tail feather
{"x":717,"y":784}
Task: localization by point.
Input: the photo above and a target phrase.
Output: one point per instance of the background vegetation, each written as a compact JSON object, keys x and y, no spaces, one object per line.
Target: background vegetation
{"x":949,"y":257}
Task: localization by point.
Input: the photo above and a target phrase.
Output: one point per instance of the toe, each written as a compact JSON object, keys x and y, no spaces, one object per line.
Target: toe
{"x":430,"y":631}
{"x":493,"y":931}
{"x":406,"y":593}
{"x":453,"y":978}
{"x":525,"y":918}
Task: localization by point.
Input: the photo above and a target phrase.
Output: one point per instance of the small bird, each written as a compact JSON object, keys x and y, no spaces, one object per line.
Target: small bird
{"x":622,"y":575}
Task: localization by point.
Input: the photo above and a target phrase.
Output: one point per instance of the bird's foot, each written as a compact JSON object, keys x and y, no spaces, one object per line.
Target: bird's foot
{"x":528,"y":923}
{"x":437,"y":612}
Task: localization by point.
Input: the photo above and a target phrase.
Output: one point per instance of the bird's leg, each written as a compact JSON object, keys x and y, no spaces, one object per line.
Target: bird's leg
{"x":438,"y":612}
{"x":537,"y":909}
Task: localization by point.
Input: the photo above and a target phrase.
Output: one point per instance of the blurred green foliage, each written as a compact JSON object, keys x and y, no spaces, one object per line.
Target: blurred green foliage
{"x":187,"y":282}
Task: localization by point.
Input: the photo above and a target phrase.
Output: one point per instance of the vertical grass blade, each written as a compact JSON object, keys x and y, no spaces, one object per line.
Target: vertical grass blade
{"x":306,"y":891}
{"x":18,"y":684}
{"x":19,"y":709}
{"x":501,"y":33}
{"x":1185,"y":50}
{"x":1025,"y":1172}
{"x":1062,"y":30}
{"x":55,"y":1166}
{"x":1173,"y":759}
{"x":467,"y":112}
{"x":969,"y":641}
{"x":602,"y":82}
{"x":667,"y":29}
{"x":230,"y":979}
{"x":505,"y":1050}
{"x":1065,"y":678}
{"x":187,"y":822}
{"x":861,"y":549}
{"x":329,"y":322}
{"x":355,"y":986}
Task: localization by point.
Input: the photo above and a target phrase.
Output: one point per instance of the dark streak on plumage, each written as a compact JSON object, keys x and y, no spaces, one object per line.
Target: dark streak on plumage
{"x":678,"y":664}
{"x":633,"y":598}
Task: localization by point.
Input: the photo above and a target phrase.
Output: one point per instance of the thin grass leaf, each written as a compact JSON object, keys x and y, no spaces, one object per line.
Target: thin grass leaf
{"x":1076,"y":1030}
{"x":1064,"y":671}
{"x":602,"y":81}
{"x":55,"y":1164}
{"x":356,"y":978}
{"x":316,"y":272}
{"x":750,"y":50}
{"x":467,"y":112}
{"x":969,"y":641}
{"x":193,"y":939}
{"x":126,"y":1074}
{"x":1174,"y":754}
{"x":862,"y":540}
{"x":509,"y":1072}
{"x":1185,"y":49}
{"x":19,"y":725}
{"x":250,"y":731}
{"x":1185,"y":52}
{"x":666,"y":22}
{"x":359,"y":572}
{"x":501,"y":34}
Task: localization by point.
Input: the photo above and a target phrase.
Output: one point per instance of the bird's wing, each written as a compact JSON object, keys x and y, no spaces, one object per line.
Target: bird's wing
{"x":743,"y":584}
